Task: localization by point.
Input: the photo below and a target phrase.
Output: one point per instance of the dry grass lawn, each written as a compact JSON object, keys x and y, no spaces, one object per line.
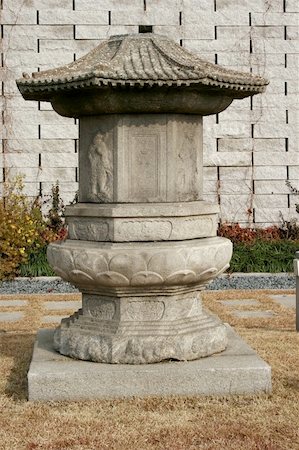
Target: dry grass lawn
{"x":267,"y":422}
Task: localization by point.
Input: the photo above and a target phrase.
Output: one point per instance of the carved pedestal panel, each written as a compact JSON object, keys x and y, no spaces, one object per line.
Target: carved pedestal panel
{"x":127,"y":222}
{"x":137,"y":330}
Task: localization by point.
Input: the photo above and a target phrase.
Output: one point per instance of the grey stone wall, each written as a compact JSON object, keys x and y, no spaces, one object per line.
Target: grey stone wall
{"x":250,"y":150}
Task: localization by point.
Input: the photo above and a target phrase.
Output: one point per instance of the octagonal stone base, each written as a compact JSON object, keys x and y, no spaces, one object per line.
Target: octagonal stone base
{"x":138,"y":330}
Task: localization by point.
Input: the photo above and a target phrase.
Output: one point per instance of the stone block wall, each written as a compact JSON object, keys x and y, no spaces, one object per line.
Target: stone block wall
{"x":250,"y":150}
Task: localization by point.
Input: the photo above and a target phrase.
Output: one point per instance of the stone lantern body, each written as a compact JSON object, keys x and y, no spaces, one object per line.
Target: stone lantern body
{"x":142,"y":242}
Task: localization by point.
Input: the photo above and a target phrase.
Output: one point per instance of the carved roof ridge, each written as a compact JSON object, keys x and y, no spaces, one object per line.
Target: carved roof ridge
{"x":138,"y":60}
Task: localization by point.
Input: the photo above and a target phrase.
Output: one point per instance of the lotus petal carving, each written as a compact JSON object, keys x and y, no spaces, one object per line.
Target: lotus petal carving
{"x":146,"y":278}
{"x":181,"y":276}
{"x":124,"y":265}
{"x":111,"y":278}
{"x":127,"y":264}
{"x":79,"y":275}
{"x":84,"y":263}
{"x":208,"y":274}
{"x":61,"y":273}
{"x":58,"y":256}
{"x":167,"y":262}
{"x":201,"y":259}
{"x":101,"y":264}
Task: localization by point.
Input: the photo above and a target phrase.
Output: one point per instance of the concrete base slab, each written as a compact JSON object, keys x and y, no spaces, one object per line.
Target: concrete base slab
{"x":242,"y":302}
{"x":13,"y":303}
{"x":237,"y":370}
{"x":11,"y":316}
{"x":52,"y":319}
{"x":56,"y":306}
{"x":288,"y":301}
{"x":253,"y":314}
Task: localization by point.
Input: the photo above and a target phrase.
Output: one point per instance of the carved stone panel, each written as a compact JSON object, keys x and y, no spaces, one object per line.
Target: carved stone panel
{"x":102,"y":308}
{"x":146,"y":158}
{"x":184,"y":175}
{"x":96,"y":156}
{"x":145,"y":310}
{"x":160,"y":158}
{"x":138,"y":229}
{"x":142,"y":149}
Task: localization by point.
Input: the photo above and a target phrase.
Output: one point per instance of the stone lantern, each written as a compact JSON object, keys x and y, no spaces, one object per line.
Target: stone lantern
{"x":142,"y":242}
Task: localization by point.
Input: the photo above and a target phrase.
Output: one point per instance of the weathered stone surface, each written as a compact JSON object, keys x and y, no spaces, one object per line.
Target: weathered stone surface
{"x":140,"y":303}
{"x":141,"y":158}
{"x":140,"y":266}
{"x":144,"y":331}
{"x":237,"y":370}
{"x":138,"y":229}
{"x":127,"y":222}
{"x":139,"y":61}
{"x":140,"y":210}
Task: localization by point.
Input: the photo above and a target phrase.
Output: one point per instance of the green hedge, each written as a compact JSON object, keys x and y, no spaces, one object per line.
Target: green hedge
{"x":264,"y":256}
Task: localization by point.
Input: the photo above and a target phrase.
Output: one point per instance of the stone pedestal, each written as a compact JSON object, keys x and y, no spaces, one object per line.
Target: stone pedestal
{"x":142,"y":255}
{"x":142,"y":242}
{"x":141,"y":301}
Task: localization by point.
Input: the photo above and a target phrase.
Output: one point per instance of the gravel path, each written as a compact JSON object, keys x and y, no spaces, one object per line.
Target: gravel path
{"x":235,"y":281}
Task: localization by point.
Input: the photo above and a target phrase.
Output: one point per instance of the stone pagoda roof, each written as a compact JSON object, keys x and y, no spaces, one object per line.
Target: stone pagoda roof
{"x":139,"y":61}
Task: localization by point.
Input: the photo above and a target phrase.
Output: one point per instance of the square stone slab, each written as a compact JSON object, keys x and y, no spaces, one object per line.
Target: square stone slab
{"x":10,"y":316}
{"x":237,"y":370}
{"x":13,"y":303}
{"x":56,"y":306}
{"x":236,"y":302}
{"x":253,"y":314}
{"x":52,"y":319}
{"x":288,"y":301}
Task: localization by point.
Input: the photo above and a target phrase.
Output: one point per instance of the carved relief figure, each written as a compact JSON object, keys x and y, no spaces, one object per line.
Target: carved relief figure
{"x":100,"y":159}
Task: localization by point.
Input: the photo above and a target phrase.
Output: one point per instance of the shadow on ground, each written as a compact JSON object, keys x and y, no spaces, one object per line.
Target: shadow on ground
{"x":16,"y":347}
{"x":292,"y":383}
